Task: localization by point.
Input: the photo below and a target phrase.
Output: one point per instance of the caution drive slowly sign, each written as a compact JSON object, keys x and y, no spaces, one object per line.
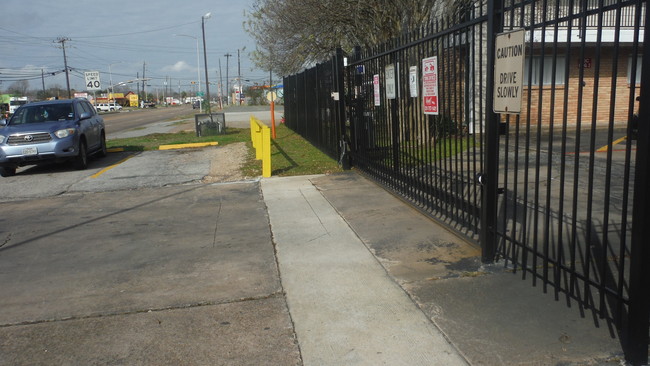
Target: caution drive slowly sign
{"x":509,"y":71}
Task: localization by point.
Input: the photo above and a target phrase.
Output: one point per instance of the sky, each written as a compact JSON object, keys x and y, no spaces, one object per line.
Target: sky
{"x":118,"y":38}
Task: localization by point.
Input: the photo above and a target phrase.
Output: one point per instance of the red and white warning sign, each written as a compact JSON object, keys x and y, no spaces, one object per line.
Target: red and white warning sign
{"x":430,"y":85}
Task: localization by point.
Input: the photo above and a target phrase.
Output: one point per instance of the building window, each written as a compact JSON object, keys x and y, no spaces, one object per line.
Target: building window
{"x":637,"y":76}
{"x":547,"y":78}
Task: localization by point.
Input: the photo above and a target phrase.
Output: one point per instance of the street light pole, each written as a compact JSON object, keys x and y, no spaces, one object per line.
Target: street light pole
{"x":198,"y":61}
{"x":205,"y":61}
{"x":110,"y":73}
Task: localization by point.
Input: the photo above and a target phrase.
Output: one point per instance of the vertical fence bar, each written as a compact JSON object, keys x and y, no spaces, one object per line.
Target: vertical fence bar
{"x":638,"y":322}
{"x":339,"y":89}
{"x":490,"y":175}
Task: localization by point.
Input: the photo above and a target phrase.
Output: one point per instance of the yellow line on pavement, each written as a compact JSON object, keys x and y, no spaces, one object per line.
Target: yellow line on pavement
{"x":605,"y":148}
{"x":186,"y":146}
{"x":110,"y":167}
{"x":115,"y":149}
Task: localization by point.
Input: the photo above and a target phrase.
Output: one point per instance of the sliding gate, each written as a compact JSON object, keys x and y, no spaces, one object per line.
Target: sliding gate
{"x":558,"y":192}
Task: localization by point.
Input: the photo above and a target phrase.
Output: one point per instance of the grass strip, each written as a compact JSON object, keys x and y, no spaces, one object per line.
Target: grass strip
{"x":290,"y":153}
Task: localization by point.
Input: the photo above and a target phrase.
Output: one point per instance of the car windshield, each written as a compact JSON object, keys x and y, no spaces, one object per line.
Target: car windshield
{"x":42,"y":113}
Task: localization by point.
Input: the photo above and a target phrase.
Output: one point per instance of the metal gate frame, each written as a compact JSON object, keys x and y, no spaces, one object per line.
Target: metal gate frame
{"x":631,"y":314}
{"x":331,"y":105}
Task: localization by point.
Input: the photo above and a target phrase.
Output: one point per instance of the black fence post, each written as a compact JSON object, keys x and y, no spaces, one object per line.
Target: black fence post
{"x":339,"y":101}
{"x":638,"y":318}
{"x":489,"y":179}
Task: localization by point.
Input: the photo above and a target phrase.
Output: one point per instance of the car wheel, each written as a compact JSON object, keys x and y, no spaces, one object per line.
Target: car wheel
{"x":102,"y":149}
{"x":7,"y":172}
{"x":81,"y":161}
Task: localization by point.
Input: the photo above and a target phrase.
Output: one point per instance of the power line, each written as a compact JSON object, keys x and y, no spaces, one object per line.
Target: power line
{"x":134,"y":33}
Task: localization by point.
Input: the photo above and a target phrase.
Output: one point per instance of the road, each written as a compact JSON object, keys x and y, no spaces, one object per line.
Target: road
{"x":136,"y":261}
{"x":130,"y":119}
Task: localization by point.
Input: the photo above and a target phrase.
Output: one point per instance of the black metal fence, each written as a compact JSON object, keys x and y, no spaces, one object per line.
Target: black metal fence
{"x":558,"y":192}
{"x":312,"y":107}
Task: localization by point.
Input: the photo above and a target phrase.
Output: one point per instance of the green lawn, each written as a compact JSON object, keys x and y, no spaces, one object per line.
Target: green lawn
{"x":293,"y":155}
{"x":290,"y":153}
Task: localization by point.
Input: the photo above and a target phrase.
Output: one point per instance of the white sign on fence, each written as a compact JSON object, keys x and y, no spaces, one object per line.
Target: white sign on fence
{"x":509,"y":71}
{"x":390,"y":82}
{"x":413,"y":81}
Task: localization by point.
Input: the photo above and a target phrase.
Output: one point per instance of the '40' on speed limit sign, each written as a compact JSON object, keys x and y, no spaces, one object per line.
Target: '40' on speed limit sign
{"x":92,"y":80}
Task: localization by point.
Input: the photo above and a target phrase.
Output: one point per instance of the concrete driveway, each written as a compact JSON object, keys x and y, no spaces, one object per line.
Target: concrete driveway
{"x":181,"y":275}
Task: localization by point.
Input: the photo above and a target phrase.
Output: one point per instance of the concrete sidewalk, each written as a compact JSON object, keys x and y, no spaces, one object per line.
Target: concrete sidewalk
{"x":370,"y":281}
{"x":345,"y":308}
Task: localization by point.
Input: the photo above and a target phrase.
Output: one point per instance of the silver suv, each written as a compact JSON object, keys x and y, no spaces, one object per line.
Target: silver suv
{"x":108,"y":107}
{"x":51,"y":131}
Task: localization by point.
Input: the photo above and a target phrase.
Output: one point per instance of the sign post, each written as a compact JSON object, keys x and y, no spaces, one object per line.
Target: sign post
{"x":509,"y":58}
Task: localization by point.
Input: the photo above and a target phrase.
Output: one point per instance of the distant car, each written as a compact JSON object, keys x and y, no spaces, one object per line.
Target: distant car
{"x":51,"y":131}
{"x":108,"y":107}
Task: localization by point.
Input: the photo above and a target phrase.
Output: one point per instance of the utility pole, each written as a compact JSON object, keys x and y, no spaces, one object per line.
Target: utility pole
{"x":205,"y":61}
{"x":62,"y":41}
{"x":144,"y":92}
{"x":220,"y":86}
{"x":239,"y":77}
{"x":228,"y":56}
{"x":43,"y":80}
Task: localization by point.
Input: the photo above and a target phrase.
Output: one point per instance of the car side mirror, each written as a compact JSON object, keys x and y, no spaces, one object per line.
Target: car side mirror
{"x":85,"y":115}
{"x":3,"y":122}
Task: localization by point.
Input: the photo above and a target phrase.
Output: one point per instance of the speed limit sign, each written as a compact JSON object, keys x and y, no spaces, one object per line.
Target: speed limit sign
{"x":92,"y":80}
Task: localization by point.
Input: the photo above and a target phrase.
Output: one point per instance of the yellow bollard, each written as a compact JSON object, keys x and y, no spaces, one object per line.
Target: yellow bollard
{"x":261,"y":139}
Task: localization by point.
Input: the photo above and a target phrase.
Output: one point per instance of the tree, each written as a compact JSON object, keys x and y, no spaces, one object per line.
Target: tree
{"x":19,"y":88}
{"x":53,"y":91}
{"x":294,"y":34}
{"x":255,"y":95}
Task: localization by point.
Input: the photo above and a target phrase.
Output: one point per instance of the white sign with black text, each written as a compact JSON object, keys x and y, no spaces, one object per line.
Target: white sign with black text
{"x":92,"y":80}
{"x":509,"y":58}
{"x":391,"y":92}
{"x":413,"y":81}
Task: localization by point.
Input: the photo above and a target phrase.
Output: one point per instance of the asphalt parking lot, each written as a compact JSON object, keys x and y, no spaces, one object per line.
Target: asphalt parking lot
{"x":143,"y":274}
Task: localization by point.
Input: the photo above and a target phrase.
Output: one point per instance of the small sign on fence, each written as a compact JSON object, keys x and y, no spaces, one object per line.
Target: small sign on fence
{"x":430,"y":85}
{"x":391,"y":92}
{"x":413,"y":81}
{"x":375,"y":84}
{"x":509,"y":71}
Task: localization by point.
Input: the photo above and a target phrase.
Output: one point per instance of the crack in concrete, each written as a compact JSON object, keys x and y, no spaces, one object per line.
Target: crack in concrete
{"x":144,"y":311}
{"x":7,"y":240}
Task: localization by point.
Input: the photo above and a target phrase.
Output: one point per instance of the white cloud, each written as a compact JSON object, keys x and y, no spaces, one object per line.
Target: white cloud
{"x":180,"y":66}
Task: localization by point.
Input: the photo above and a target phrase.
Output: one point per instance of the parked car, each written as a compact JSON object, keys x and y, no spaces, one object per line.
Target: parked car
{"x":51,"y":131}
{"x":108,"y":107}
